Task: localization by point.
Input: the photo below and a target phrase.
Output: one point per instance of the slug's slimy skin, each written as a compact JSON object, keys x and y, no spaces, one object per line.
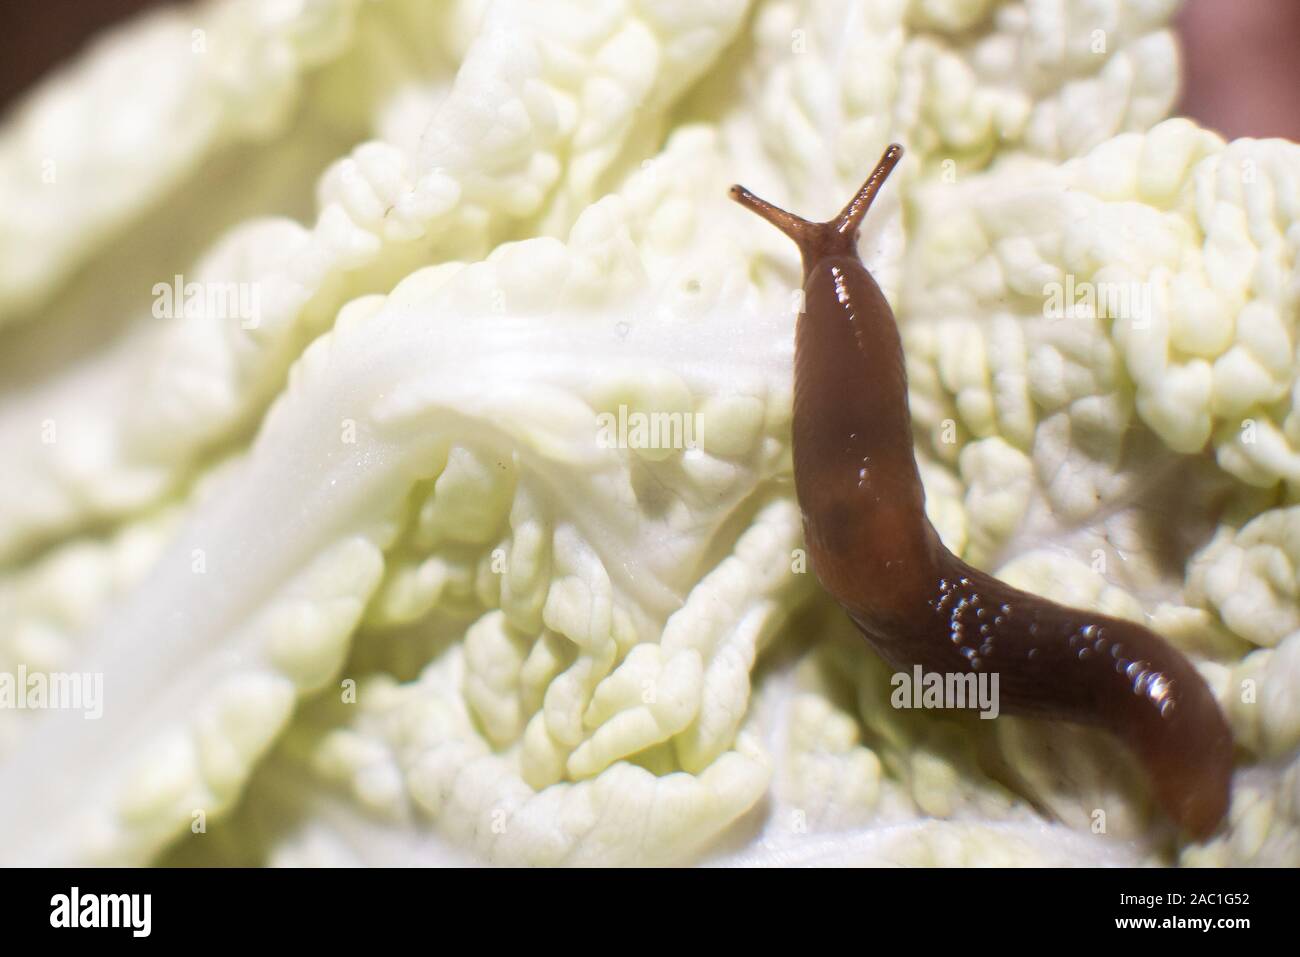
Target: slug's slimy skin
{"x":875,"y":551}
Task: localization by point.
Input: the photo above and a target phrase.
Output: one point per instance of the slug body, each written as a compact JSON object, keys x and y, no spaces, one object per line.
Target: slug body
{"x":873,"y":548}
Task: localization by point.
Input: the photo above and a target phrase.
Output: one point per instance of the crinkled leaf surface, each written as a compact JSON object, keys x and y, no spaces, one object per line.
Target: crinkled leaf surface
{"x":363,"y":580}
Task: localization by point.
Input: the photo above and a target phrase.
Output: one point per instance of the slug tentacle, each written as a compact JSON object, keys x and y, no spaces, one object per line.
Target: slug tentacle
{"x":873,"y":548}
{"x":850,"y":218}
{"x":799,"y":230}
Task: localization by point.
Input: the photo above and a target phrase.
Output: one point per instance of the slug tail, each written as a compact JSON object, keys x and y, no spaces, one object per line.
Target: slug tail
{"x":1089,"y":668}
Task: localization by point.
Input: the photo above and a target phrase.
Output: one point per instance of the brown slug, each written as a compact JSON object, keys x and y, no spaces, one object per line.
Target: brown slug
{"x":875,"y":551}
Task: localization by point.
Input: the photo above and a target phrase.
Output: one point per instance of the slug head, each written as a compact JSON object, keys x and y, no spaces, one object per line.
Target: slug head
{"x":835,"y":236}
